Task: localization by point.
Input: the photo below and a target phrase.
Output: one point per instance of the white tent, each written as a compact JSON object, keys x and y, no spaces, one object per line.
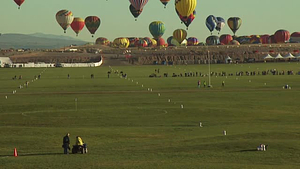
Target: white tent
{"x":268,"y":56}
{"x":289,"y":56}
{"x":278,"y":56}
{"x":228,"y":60}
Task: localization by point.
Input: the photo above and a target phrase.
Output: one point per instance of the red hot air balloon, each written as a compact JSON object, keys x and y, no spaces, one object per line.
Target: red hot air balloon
{"x":92,"y":23}
{"x":264,"y":39}
{"x":225,"y":39}
{"x":77,"y":25}
{"x":19,"y":2}
{"x":282,"y":36}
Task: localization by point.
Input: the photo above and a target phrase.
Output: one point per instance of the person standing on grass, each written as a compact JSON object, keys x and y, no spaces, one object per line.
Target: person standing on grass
{"x":204,"y":84}
{"x":223,"y":83}
{"x":66,"y":143}
{"x":199,"y":83}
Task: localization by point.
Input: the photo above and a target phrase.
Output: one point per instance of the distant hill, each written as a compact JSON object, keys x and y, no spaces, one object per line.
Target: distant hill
{"x":37,"y":41}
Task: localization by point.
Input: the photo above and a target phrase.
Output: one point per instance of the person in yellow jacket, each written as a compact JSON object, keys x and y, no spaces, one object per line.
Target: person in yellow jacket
{"x":79,"y":141}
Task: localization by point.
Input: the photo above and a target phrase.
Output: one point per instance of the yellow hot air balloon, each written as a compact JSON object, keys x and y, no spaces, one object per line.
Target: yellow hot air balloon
{"x":121,"y":43}
{"x":185,"y":7}
{"x":179,"y":35}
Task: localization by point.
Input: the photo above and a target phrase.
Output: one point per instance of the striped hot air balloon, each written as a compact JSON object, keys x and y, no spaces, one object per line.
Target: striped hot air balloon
{"x":138,"y":4}
{"x":234,"y":23}
{"x":77,"y":25}
{"x":92,"y":23}
{"x":64,"y":18}
{"x":121,"y":43}
{"x":179,"y":35}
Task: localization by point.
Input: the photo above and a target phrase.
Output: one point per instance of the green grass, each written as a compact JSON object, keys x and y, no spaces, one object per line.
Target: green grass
{"x":127,"y":126}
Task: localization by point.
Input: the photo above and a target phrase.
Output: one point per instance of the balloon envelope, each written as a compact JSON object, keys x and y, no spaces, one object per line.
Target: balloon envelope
{"x":185,"y":7}
{"x":92,"y":23}
{"x":64,"y":18}
{"x":121,"y":43}
{"x":19,"y":2}
{"x":211,"y":23}
{"x":212,"y":40}
{"x":135,"y":13}
{"x":179,"y":35}
{"x":102,"y":41}
{"x":282,"y":36}
{"x":234,"y":23}
{"x":157,"y":29}
{"x":138,"y":4}
{"x":77,"y":25}
{"x":225,"y":39}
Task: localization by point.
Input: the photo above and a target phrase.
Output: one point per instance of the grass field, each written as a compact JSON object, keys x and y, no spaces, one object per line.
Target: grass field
{"x":126,"y":125}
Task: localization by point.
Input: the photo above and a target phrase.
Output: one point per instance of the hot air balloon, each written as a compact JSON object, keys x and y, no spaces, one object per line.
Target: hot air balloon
{"x":135,"y":13}
{"x":243,"y":39}
{"x":165,"y":2}
{"x":141,"y":43}
{"x":187,"y":20}
{"x":220,"y":24}
{"x":19,"y":2}
{"x":169,"y":40}
{"x":212,"y":40}
{"x":157,"y":29}
{"x":121,"y":43}
{"x":234,"y":23}
{"x":153,"y":43}
{"x":64,"y":18}
{"x":192,"y":41}
{"x":211,"y":23}
{"x":102,"y":41}
{"x":77,"y":25}
{"x":92,"y":23}
{"x":225,"y":39}
{"x":295,"y":37}
{"x":234,"y":42}
{"x":148,"y":40}
{"x":255,"y":39}
{"x":185,"y":7}
{"x":132,"y":41}
{"x":264,"y":39}
{"x":179,"y":35}
{"x":282,"y":36}
{"x":161,"y":42}
{"x":138,"y":4}
{"x":272,"y":39}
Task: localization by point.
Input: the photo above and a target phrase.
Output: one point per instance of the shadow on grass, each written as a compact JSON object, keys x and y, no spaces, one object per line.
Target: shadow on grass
{"x":248,"y":150}
{"x":33,"y":154}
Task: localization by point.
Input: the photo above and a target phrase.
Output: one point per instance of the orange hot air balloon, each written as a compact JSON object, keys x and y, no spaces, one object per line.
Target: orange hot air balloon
{"x":77,"y":25}
{"x":19,"y":2}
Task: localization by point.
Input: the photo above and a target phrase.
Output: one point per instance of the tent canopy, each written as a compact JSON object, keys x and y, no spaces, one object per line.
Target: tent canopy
{"x":268,"y":56}
{"x":289,"y":56}
{"x":278,"y":56}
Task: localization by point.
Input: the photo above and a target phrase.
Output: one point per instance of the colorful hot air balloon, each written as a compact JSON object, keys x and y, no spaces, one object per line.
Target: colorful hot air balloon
{"x":92,"y":23}
{"x":165,"y":2}
{"x":169,"y":40}
{"x":19,"y":2}
{"x":121,"y":43}
{"x":243,"y":39}
{"x":153,"y":43}
{"x":220,"y":24}
{"x":141,"y":43}
{"x":135,"y":13}
{"x":157,"y":29}
{"x":77,"y":25}
{"x":211,"y":23}
{"x":102,"y":41}
{"x":185,"y":7}
{"x":187,"y":20}
{"x":212,"y":40}
{"x":234,"y":42}
{"x":255,"y":39}
{"x":282,"y":36}
{"x":192,"y":41}
{"x":138,"y":4}
{"x":64,"y":18}
{"x":234,"y":23}
{"x":225,"y":39}
{"x":132,"y":41}
{"x":179,"y":35}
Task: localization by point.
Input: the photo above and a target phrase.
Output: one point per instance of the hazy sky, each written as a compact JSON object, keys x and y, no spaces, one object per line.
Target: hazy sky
{"x":259,"y":17}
